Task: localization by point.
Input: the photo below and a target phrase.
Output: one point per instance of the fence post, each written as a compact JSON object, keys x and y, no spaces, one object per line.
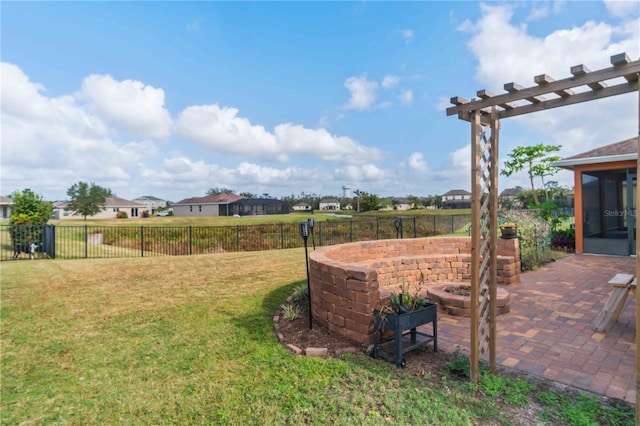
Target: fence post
{"x":351,"y":230}
{"x":86,"y":242}
{"x":190,"y":239}
{"x":141,"y":241}
{"x":415,"y":231}
{"x":434,"y":224}
{"x":320,"y":232}
{"x":377,"y":228}
{"x":281,"y":235}
{"x":237,"y":238}
{"x":452,"y":224}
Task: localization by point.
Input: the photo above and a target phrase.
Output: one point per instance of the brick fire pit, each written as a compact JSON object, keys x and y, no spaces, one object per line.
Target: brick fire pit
{"x":348,"y":281}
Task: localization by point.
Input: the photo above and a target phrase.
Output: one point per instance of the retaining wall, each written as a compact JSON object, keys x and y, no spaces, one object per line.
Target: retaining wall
{"x":348,"y":281}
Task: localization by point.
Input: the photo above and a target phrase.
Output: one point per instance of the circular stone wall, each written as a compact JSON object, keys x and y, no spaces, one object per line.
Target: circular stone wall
{"x":460,"y":305}
{"x":348,"y":281}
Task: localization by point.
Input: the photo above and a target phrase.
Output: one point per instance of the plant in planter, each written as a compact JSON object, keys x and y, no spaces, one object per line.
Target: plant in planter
{"x":509,"y":230}
{"x":405,"y":311}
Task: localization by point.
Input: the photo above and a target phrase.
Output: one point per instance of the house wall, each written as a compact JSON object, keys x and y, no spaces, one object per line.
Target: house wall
{"x":5,"y":213}
{"x":329,"y":206}
{"x":577,"y":188}
{"x":196,"y":210}
{"x":106,"y":213}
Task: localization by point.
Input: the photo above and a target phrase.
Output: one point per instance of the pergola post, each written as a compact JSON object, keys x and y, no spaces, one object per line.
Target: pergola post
{"x":484,"y":240}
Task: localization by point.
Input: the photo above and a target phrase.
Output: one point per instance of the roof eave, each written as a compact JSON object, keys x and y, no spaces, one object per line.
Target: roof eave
{"x":570,"y":163}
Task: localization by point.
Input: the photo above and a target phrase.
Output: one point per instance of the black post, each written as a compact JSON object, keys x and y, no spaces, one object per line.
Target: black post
{"x":311,"y":224}
{"x":190,"y":239}
{"x":142,"y":241}
{"x":86,"y":242}
{"x":398,"y":225}
{"x":304,"y":233}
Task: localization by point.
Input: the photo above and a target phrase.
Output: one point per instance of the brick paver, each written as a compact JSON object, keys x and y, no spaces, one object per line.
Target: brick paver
{"x":548,"y":331}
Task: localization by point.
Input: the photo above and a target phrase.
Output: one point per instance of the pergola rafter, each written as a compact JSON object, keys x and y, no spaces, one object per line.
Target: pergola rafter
{"x":519,"y":100}
{"x":484,"y":113}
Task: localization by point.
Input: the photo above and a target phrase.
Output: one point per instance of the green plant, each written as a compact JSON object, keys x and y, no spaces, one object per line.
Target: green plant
{"x":459,"y":363}
{"x":300,"y":293}
{"x":122,"y":215}
{"x":407,"y":300}
{"x":290,"y":312}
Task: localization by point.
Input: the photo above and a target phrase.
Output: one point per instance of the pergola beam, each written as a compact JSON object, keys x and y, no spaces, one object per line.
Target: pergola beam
{"x":596,"y":81}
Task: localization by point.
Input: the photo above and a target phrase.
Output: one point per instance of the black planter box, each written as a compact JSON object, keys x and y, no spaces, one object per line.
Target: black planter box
{"x":403,"y":342}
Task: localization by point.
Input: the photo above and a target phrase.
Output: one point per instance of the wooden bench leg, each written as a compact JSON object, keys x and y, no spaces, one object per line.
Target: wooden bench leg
{"x":612,"y":308}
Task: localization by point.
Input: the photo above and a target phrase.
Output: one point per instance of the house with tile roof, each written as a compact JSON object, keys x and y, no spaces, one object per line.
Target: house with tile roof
{"x":5,"y":208}
{"x":329,"y":204}
{"x":228,"y":204}
{"x":605,"y":197}
{"x":456,"y":199}
{"x":112,"y":206}
{"x":151,"y":203}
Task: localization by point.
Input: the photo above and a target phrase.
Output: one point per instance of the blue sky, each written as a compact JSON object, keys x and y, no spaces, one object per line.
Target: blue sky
{"x":172,"y":98}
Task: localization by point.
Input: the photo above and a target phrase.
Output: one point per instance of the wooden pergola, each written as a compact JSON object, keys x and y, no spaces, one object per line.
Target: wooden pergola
{"x":484,"y":113}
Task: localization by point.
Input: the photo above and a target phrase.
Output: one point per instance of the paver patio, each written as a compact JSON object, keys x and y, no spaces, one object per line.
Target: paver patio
{"x":549,"y":334}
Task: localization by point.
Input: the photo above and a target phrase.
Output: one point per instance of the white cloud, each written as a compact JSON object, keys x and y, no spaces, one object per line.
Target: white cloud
{"x":622,"y":9}
{"x":389,"y":81}
{"x":221,"y":130}
{"x":517,"y":56}
{"x":323,"y":122}
{"x":319,"y":143}
{"x":406,"y":97}
{"x":264,"y":175}
{"x":359,"y":174}
{"x":417,"y":162}
{"x":443,"y":103}
{"x":407,"y":35}
{"x":128,"y":104}
{"x":363,"y":92}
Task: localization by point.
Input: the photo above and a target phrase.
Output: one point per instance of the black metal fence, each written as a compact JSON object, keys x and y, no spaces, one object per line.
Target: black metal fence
{"x":73,"y":242}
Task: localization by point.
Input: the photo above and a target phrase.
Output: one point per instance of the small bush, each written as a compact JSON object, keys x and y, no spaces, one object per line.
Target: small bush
{"x":290,"y":312}
{"x":122,"y":215}
{"x":459,"y":363}
{"x":300,"y":293}
{"x":564,"y":238}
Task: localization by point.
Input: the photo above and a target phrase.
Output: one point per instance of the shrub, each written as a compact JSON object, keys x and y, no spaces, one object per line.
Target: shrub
{"x":564,"y":238}
{"x":300,"y":293}
{"x":122,"y":215}
{"x":290,"y":312}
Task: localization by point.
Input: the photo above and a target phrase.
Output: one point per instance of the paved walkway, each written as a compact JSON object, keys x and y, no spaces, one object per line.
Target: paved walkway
{"x":548,"y":331}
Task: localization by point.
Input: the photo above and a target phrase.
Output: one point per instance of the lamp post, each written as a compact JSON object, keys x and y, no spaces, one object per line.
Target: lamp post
{"x":398,"y":225}
{"x":304,"y":233}
{"x":310,"y":223}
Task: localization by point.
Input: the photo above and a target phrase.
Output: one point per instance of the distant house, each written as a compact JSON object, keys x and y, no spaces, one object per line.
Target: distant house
{"x":508,"y":199}
{"x":225,"y":204}
{"x":5,"y":206}
{"x":329,"y":204}
{"x":258,"y":206}
{"x":456,"y":199}
{"x":210,"y":205}
{"x":151,"y":203}
{"x":302,"y":207}
{"x":111,"y":208}
{"x":396,"y":203}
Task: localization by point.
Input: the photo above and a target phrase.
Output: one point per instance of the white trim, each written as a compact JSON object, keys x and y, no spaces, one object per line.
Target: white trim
{"x":568,"y":164}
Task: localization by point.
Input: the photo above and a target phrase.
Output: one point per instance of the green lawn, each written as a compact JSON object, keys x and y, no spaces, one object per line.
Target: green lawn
{"x":189,"y":340}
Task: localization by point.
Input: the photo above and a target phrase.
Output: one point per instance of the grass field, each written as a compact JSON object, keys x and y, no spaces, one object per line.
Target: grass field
{"x":189,"y":340}
{"x":325,"y":216}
